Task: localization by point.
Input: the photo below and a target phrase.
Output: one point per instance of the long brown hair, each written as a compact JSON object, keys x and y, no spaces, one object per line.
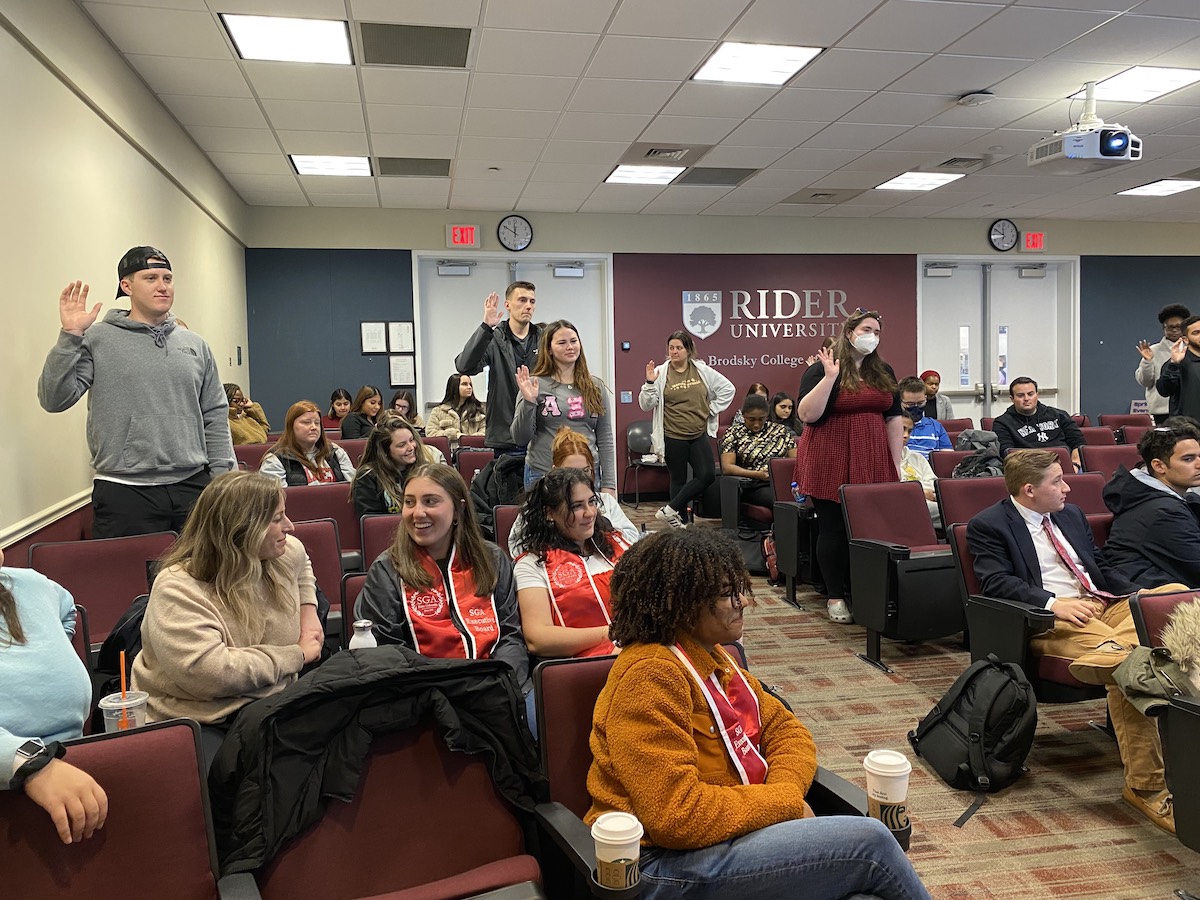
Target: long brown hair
{"x":365,"y":393}
{"x":9,"y":617}
{"x":874,"y":370}
{"x":287,"y":445}
{"x":593,"y":400}
{"x":466,"y":539}
{"x":377,"y":455}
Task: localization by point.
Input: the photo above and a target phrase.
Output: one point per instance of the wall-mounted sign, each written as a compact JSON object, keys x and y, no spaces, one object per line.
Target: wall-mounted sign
{"x":462,"y":237}
{"x":1034,"y":242}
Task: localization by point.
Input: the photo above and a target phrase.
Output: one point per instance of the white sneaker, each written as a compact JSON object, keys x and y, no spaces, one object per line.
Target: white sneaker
{"x":671,"y":517}
{"x":839,"y":612}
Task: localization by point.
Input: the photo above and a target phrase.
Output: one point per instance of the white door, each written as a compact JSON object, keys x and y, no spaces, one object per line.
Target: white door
{"x":988,"y":324}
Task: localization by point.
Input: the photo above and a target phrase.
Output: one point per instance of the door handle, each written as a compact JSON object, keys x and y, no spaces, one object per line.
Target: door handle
{"x":981,"y":392}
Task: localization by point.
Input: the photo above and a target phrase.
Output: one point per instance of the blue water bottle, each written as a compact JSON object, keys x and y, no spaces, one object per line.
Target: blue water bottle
{"x":796,"y":495}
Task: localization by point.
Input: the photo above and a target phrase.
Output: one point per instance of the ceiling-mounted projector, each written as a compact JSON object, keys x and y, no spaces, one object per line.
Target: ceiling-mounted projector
{"x":1088,"y":146}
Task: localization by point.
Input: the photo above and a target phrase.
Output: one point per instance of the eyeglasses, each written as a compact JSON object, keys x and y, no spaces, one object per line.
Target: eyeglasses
{"x":1178,"y":328}
{"x":868,"y":313}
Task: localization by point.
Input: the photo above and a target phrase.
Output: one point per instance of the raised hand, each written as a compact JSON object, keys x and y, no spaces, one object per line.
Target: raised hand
{"x":76,"y":804}
{"x":72,"y":308}
{"x":491,"y":310}
{"x":1144,"y":348}
{"x":1178,"y":350}
{"x":826,"y":358}
{"x":527,"y":385}
{"x":651,"y":371}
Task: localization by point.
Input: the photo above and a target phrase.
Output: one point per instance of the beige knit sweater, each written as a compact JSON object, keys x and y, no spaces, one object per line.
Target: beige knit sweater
{"x":199,"y":663}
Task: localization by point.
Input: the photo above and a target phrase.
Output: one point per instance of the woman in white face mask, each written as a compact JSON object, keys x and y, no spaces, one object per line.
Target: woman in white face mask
{"x":854,"y":435}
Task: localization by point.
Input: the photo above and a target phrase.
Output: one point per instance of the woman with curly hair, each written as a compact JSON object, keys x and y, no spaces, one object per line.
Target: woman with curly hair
{"x":561,"y":391}
{"x":715,"y":767}
{"x":459,"y":413}
{"x":394,"y":448}
{"x":303,"y":454}
{"x":363,"y":412}
{"x":567,"y":553}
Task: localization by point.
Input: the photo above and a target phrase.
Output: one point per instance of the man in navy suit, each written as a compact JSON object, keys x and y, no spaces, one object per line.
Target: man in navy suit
{"x":1037,"y":549}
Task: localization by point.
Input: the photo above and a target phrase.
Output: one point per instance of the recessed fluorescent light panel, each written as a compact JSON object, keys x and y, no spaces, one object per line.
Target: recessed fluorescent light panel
{"x":1142,"y":84}
{"x":289,"y":40}
{"x":917,"y":181}
{"x":331,"y":165}
{"x":1161,"y":188}
{"x":755,"y":63}
{"x":644,"y":174}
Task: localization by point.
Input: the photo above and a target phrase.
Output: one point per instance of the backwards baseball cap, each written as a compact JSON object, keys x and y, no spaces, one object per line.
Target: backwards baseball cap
{"x":136,"y":260}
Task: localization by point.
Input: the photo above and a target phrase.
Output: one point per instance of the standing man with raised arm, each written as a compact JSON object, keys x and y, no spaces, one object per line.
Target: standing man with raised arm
{"x":1154,"y":356}
{"x":502,"y":346}
{"x":158,"y":418}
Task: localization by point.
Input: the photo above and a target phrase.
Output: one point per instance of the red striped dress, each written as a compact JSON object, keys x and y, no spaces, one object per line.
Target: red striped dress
{"x":849,"y":447}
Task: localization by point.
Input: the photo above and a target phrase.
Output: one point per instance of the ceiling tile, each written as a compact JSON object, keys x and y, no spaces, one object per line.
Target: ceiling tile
{"x":619,"y":56}
{"x":816,"y":159}
{"x":809,"y":23}
{"x":845,"y":136}
{"x":589,"y":16}
{"x":620,"y":198}
{"x":598,"y":151}
{"x":798,"y":210}
{"x":533,"y":52}
{"x":917,"y":25}
{"x":557,"y":190}
{"x":788,"y":180}
{"x":324,"y":143}
{"x":383,"y":118}
{"x":337,"y":184}
{"x":887,"y":108}
{"x":278,"y":183}
{"x":556,"y":205}
{"x":450,"y":13}
{"x":934,"y":138}
{"x":689,"y":129}
{"x":419,"y":146}
{"x":1036,"y":32}
{"x":580,"y":126}
{"x":996,"y":114}
{"x":345,"y":200}
{"x":302,"y":81}
{"x":1130,"y":39}
{"x":314,"y":115}
{"x":772,"y":133}
{"x":589,"y":173}
{"x":162,"y":4}
{"x":440,"y":87}
{"x":416,"y":202}
{"x":730,"y":100}
{"x":274,"y":198}
{"x":957,"y":75}
{"x":230,"y":112}
{"x":234,"y":140}
{"x":481,"y":170}
{"x":1185,"y":56}
{"x":892,"y":162}
{"x":1062,"y":114}
{"x":809,"y":105}
{"x":857,"y":69}
{"x":500,"y":149}
{"x":513,"y":123}
{"x":204,"y":77}
{"x":1053,"y":79}
{"x":734,"y":208}
{"x":251,"y":163}
{"x":139,"y":29}
{"x":846,"y":211}
{"x":685,"y":198}
{"x":618,"y":95}
{"x":675,"y":18}
{"x":478,"y":189}
{"x":303,"y":9}
{"x":742,"y":157}
{"x":521,"y":92}
{"x":412,"y":189}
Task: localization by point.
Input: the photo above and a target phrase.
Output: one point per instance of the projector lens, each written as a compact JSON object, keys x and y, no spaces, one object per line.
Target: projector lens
{"x":1114,"y":143}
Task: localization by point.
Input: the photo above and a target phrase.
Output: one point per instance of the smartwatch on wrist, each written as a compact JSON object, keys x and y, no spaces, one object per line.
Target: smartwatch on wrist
{"x":33,"y":756}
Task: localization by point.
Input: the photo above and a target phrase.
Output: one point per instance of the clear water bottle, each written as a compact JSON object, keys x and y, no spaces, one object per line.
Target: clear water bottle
{"x":363,"y":635}
{"x":796,"y":495}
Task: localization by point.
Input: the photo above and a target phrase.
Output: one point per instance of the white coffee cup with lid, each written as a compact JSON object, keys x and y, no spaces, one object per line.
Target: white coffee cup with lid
{"x":887,"y":791}
{"x":618,"y":837}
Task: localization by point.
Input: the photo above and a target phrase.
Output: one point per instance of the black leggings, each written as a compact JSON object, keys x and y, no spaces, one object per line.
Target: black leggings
{"x":678,"y":453}
{"x":833,"y":547}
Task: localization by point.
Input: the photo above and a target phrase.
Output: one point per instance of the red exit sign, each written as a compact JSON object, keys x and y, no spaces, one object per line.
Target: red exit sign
{"x":462,"y":236}
{"x":1035,"y":241}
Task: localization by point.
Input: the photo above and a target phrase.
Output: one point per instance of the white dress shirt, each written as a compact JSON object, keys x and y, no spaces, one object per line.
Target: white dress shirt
{"x":1056,"y":577}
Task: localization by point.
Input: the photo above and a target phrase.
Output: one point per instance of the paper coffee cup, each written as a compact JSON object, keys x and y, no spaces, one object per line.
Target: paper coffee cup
{"x":134,"y":705}
{"x":887,"y":791}
{"x":618,"y":838}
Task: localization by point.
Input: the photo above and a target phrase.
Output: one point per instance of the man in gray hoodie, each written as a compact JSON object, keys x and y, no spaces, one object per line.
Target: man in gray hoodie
{"x":158,"y":419}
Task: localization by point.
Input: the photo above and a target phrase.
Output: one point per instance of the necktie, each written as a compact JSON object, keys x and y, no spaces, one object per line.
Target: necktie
{"x":1084,"y":580}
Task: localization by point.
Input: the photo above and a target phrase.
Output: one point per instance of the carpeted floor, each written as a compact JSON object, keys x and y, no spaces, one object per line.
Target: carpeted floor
{"x":1062,"y":831}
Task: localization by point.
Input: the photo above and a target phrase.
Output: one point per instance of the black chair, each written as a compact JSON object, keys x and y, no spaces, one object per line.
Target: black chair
{"x":638,"y":445}
{"x":795,"y":527}
{"x":736,"y":513}
{"x":1180,"y":730}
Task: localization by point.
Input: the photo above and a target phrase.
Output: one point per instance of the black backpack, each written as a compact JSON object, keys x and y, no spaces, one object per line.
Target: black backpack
{"x":985,"y":461}
{"x":500,"y":483}
{"x":977,"y":736}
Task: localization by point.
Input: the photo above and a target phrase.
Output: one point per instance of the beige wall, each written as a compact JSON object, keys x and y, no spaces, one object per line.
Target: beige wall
{"x":78,"y":191}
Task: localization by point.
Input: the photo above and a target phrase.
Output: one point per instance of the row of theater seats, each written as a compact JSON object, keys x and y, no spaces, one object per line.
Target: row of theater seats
{"x":249,"y":456}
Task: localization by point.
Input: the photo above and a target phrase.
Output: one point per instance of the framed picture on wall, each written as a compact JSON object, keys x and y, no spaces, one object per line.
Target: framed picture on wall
{"x":374,"y":337}
{"x":400,"y":337}
{"x":402,"y":370}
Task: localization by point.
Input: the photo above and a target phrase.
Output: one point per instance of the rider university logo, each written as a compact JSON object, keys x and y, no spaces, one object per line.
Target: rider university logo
{"x":702,"y":312}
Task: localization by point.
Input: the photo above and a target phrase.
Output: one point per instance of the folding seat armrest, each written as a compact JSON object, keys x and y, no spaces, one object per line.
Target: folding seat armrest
{"x":886,"y":548}
{"x":241,"y":886}
{"x":1004,"y":627}
{"x":832,"y":795}
{"x":1190,"y":705}
{"x":574,"y":840}
{"x":1037,"y":620}
{"x":731,"y":496}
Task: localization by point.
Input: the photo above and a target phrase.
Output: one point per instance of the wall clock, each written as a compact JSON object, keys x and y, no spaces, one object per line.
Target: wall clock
{"x":515,"y":232}
{"x":1003,"y":234}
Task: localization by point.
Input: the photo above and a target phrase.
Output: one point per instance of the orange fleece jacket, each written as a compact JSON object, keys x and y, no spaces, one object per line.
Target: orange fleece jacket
{"x":656,"y":753}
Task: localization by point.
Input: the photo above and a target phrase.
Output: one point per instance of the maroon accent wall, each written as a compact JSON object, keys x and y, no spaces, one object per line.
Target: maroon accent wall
{"x":774,"y":312}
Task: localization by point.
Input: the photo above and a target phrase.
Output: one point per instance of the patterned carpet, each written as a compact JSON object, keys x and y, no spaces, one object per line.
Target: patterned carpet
{"x":1062,"y":831}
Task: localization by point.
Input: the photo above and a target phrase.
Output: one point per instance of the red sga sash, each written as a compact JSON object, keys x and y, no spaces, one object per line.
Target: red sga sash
{"x":579,"y":599}
{"x":449,"y":621}
{"x":737,"y":715}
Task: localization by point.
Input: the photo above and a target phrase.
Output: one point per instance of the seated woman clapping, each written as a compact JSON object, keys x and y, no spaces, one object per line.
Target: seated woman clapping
{"x":303,"y":454}
{"x":715,"y":767}
{"x":232,"y":615}
{"x":46,"y":698}
{"x":394,"y":448}
{"x":441,"y":589}
{"x":567,"y":553}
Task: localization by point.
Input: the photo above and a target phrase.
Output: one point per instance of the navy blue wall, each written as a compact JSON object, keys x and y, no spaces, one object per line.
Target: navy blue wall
{"x":303,"y":310}
{"x":1120,"y":297}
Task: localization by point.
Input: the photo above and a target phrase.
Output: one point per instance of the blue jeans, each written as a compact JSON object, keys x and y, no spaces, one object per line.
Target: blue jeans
{"x":531,"y":476}
{"x":827,"y":858}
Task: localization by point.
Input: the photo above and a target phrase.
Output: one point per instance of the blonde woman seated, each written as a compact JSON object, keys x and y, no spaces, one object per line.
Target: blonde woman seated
{"x":394,"y":447}
{"x":571,"y":450}
{"x":459,"y":413}
{"x":715,"y":767}
{"x":303,"y":454}
{"x":232,"y":615}
{"x":915,"y":467}
{"x":247,"y":422}
{"x":568,"y":551}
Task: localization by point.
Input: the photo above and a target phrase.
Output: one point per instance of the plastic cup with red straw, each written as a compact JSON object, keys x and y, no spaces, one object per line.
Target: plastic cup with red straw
{"x":124,"y":723}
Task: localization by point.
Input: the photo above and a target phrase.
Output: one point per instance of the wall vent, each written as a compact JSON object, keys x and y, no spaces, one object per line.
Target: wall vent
{"x":713,"y":176}
{"x":665,"y":153}
{"x":414,"y":45}
{"x":826,"y":196}
{"x":412,"y":166}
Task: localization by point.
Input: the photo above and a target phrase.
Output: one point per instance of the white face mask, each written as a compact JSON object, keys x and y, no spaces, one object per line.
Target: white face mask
{"x":866,"y":343}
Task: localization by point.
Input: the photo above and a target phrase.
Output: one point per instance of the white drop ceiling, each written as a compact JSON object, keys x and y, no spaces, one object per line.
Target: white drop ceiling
{"x":555,"y":91}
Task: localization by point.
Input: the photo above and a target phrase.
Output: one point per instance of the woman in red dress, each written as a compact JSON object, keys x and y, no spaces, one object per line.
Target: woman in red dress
{"x":853,"y":435}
